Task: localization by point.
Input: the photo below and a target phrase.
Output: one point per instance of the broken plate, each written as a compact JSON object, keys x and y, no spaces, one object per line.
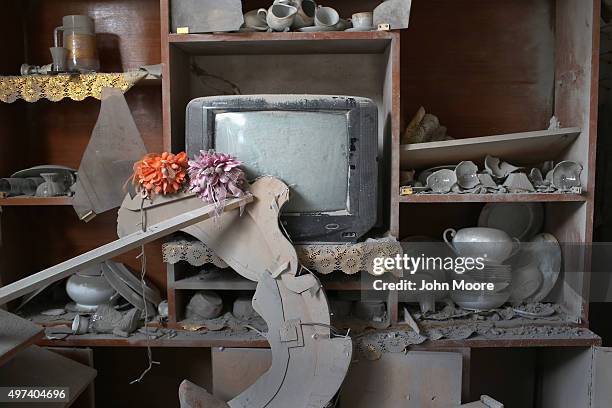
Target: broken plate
{"x":544,"y":249}
{"x":466,"y":173}
{"x":519,"y":220}
{"x":566,"y":175}
{"x":428,"y":172}
{"x":498,"y":168}
{"x":518,"y":183}
{"x":442,"y":181}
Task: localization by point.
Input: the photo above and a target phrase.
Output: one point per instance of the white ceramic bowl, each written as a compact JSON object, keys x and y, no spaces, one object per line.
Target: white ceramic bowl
{"x":89,"y":291}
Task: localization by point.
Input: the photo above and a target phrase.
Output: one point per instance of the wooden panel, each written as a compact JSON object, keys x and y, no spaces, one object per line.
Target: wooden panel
{"x":483,"y":66}
{"x":37,"y":367}
{"x":16,"y":334}
{"x":83,"y":356}
{"x":416,"y":379}
{"x":226,"y":362}
{"x":127,"y":30}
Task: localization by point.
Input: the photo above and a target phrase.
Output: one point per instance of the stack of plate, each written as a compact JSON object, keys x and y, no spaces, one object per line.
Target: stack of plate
{"x":498,"y":274}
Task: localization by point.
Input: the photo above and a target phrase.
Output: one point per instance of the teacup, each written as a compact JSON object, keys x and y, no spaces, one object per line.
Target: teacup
{"x":256,"y":19}
{"x":326,"y":17}
{"x":363,"y":20}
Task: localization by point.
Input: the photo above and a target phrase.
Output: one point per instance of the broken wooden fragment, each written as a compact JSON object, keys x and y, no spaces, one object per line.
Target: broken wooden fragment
{"x":16,"y":334}
{"x":112,"y":249}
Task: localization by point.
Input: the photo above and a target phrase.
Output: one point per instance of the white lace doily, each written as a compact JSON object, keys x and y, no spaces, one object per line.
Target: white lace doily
{"x":322,"y":258}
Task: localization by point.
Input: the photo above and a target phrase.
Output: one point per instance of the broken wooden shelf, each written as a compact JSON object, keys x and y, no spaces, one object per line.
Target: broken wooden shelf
{"x":492,"y":198}
{"x":536,"y":147}
{"x":16,"y":334}
{"x":35,"y":201}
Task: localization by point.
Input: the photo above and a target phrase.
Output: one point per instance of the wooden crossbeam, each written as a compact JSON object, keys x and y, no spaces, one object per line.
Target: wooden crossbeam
{"x":112,"y":249}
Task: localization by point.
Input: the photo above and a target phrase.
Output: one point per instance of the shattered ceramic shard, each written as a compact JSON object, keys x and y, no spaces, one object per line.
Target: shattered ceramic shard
{"x":518,"y":183}
{"x":486,"y":180}
{"x":498,"y":168}
{"x":554,"y":123}
{"x":467,"y":174}
{"x":442,"y":181}
{"x":547,"y":166}
{"x":396,"y":13}
{"x":535,"y":175}
{"x":566,"y":175}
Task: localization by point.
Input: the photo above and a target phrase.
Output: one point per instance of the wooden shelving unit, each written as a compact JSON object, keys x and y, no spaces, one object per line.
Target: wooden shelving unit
{"x":476,"y":87}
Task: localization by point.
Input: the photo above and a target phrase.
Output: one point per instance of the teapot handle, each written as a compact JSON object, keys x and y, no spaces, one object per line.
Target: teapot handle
{"x":452,"y":235}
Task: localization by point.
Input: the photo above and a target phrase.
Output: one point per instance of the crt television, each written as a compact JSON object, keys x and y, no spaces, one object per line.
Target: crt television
{"x":323,"y":147}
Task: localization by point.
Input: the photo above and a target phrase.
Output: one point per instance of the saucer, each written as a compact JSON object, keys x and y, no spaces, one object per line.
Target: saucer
{"x":359,"y":29}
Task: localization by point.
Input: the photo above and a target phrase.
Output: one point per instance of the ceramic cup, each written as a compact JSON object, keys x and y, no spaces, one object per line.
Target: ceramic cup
{"x":363,"y":20}
{"x":59,"y":54}
{"x":281,"y":16}
{"x":326,"y":17}
{"x":305,"y":14}
{"x":256,"y":19}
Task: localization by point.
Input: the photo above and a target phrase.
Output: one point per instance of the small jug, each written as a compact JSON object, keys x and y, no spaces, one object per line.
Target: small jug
{"x":79,"y":38}
{"x":281,"y":16}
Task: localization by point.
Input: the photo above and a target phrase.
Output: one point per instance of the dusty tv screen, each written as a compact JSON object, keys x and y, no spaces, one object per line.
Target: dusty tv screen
{"x":307,"y":150}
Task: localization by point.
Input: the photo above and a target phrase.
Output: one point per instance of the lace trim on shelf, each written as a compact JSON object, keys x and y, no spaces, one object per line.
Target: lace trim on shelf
{"x":322,"y":258}
{"x":32,"y":88}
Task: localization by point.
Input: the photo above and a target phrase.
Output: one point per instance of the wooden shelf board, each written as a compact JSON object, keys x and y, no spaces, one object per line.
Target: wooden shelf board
{"x":515,"y":147}
{"x":223,"y":280}
{"x":16,"y":334}
{"x":374,"y":42}
{"x":492,"y":198}
{"x":223,"y":339}
{"x":29,"y":201}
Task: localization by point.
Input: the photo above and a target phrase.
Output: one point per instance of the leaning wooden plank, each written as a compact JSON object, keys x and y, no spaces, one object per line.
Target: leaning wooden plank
{"x":16,"y":334}
{"x":38,"y":367}
{"x":518,"y":148}
{"x":112,"y":249}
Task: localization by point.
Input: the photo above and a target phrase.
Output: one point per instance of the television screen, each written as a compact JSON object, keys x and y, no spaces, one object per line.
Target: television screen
{"x":307,"y":150}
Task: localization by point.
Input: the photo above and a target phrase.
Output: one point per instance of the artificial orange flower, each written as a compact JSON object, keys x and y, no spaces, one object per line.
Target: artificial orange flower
{"x":161,"y":174}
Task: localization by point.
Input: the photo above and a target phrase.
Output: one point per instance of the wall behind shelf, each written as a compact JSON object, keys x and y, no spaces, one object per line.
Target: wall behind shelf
{"x":486,"y":71}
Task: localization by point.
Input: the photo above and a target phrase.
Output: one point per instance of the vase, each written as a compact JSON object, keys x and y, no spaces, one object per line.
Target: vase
{"x":54,"y":185}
